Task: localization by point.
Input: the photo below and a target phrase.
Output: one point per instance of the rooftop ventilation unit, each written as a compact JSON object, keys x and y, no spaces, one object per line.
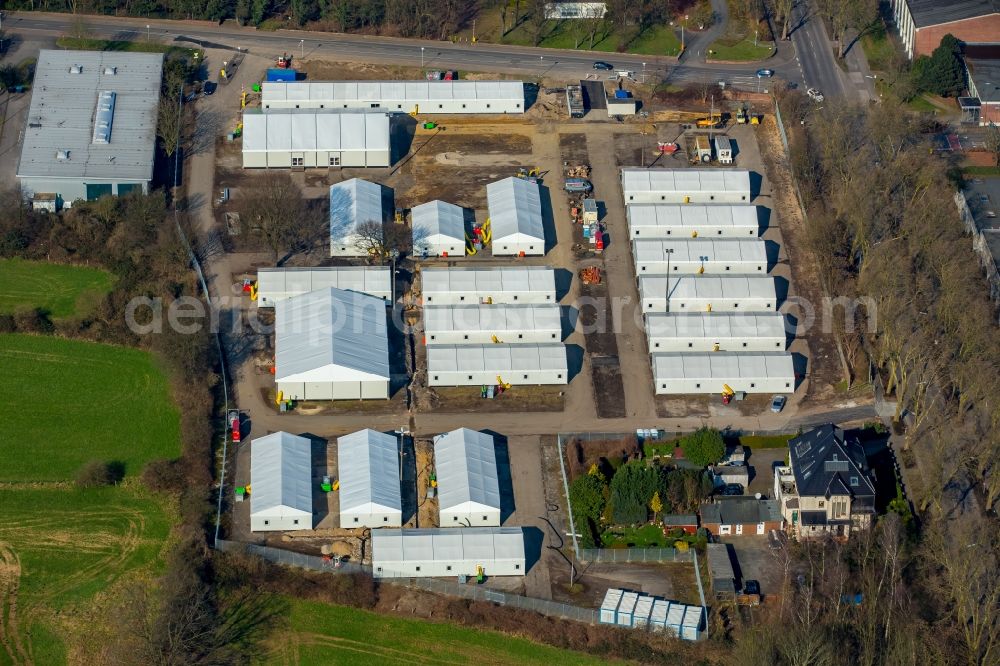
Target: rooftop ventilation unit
{"x":110,"y":71}
{"x":76,"y":69}
{"x":62,"y":155}
{"x":104,"y":116}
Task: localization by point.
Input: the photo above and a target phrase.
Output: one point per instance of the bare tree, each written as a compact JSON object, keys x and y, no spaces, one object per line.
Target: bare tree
{"x":783,"y":12}
{"x":168,"y":125}
{"x":993,"y":142}
{"x":274,"y":206}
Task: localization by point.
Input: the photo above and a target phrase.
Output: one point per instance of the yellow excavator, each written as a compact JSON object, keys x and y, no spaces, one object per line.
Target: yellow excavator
{"x":502,"y":384}
{"x":727,"y":394}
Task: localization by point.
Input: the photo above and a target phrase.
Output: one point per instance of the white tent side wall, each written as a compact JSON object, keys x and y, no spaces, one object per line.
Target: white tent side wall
{"x":478,"y":324}
{"x":654,"y":256}
{"x":277,"y":284}
{"x":708,"y":293}
{"x":471,"y":515}
{"x":504,"y":285}
{"x":302,"y":140}
{"x":422,"y":553}
{"x":701,"y":332}
{"x":479,"y":365}
{"x":693,"y":221}
{"x":684,"y":374}
{"x":438,"y":230}
{"x":685,"y":186}
{"x":425,"y":97}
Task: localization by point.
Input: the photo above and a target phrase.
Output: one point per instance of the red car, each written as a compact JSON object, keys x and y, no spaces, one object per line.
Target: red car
{"x":234,"y":419}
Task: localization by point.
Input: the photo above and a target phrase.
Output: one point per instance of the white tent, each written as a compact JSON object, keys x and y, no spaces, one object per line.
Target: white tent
{"x":462,"y":286}
{"x":715,"y":331}
{"x":368,"y":471}
{"x":483,"y":324}
{"x":653,"y":256}
{"x":515,"y":207}
{"x":685,"y":186}
{"x":706,"y":373}
{"x":323,"y":139}
{"x":478,"y":365}
{"x":708,"y":293}
{"x":277,"y":284}
{"x":692,"y":220}
{"x":438,"y":230}
{"x":353,"y":202}
{"x":468,"y":483}
{"x":281,"y":483}
{"x":331,"y":344}
{"x":398,"y":96}
{"x":420,"y":553}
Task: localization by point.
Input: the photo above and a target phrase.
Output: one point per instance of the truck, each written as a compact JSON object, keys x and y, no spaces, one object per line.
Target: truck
{"x":574,"y":101}
{"x":578,"y":185}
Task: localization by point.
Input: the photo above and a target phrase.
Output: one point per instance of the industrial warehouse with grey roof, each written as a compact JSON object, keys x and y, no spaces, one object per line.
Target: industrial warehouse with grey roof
{"x":91,"y":125}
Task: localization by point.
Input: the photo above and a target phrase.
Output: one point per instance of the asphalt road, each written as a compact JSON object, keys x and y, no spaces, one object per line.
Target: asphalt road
{"x":814,"y":53}
{"x":388,"y":50}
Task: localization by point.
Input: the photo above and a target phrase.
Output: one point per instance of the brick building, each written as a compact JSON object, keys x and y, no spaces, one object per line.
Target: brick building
{"x":982,"y":77}
{"x":922,"y":23}
{"x":739,"y":516}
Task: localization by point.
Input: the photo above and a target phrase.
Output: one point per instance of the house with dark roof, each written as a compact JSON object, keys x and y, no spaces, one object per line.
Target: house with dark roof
{"x":827,"y":487}
{"x":686,"y":522}
{"x":741,"y":516}
{"x":922,"y":23}
{"x":982,"y":78}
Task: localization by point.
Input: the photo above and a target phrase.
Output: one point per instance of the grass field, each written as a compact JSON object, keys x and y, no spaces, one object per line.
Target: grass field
{"x":322,"y":634}
{"x":744,"y":50}
{"x":58,"y":289}
{"x":89,"y":44}
{"x":65,"y":402}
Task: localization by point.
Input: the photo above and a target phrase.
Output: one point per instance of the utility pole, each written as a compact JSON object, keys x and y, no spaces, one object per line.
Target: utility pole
{"x":421,"y":57}
{"x":302,"y":46}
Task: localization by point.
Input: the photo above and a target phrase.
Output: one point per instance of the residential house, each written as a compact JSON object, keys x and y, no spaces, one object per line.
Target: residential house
{"x":741,"y":516}
{"x":686,"y":522}
{"x":827,"y":487}
{"x":738,"y":473}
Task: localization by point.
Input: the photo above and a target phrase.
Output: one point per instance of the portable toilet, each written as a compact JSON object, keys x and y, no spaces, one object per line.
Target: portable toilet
{"x":626,"y":609}
{"x":675,"y":618}
{"x":658,"y":615}
{"x":609,"y":608}
{"x":643,"y":608}
{"x":692,"y":623}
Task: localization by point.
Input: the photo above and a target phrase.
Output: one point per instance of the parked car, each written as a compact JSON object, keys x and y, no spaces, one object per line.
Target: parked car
{"x":765,"y":73}
{"x":578,"y":185}
{"x":778,"y":403}
{"x":751,"y":587}
{"x":776,"y":540}
{"x":209,"y":87}
{"x":815,"y":95}
{"x":732,"y":489}
{"x":606,"y":66}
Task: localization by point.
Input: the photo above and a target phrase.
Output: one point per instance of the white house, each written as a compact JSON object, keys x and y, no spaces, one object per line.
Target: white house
{"x":485,"y":324}
{"x":468,"y":483}
{"x":753,"y":372}
{"x":511,"y":285}
{"x":715,"y":331}
{"x":368,"y":471}
{"x":421,"y":553}
{"x":515,"y":207}
{"x":479,"y":365}
{"x":438,"y":230}
{"x":692,"y":221}
{"x":355,"y":202}
{"x":655,"y":256}
{"x":423,"y":97}
{"x":683,"y":186}
{"x":708,"y":293}
{"x":310,"y":139}
{"x":280,"y":483}
{"x":277,"y":284}
{"x":331,"y":344}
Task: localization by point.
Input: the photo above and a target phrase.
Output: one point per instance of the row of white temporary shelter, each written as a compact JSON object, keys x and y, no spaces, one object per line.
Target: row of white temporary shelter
{"x":483,"y":324}
{"x":692,"y":220}
{"x":468,"y":481}
{"x":424,"y":97}
{"x":655,"y":256}
{"x":685,"y":186}
{"x":353,"y":204}
{"x":480,"y":365}
{"x":708,"y":293}
{"x":277,"y":284}
{"x":715,"y":331}
{"x":281,"y":483}
{"x":636,"y":610}
{"x":419,"y":553}
{"x":438,"y":230}
{"x":510,"y":285}
{"x":752,"y":372}
{"x":368,"y":471}
{"x":331,"y":344}
{"x":303,"y":139}
{"x":515,"y":209}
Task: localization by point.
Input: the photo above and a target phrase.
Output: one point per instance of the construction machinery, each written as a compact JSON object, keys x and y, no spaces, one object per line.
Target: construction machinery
{"x":574,"y":101}
{"x":496,"y":340}
{"x":504,"y":386}
{"x":727,"y":394}
{"x":591,"y":275}
{"x":399,"y":217}
{"x":712,"y":120}
{"x":284,"y":61}
{"x":530,"y":175}
{"x":741,"y":115}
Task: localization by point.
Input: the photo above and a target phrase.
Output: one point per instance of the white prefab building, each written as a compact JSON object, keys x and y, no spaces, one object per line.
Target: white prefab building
{"x":323,"y":139}
{"x":422,"y":553}
{"x":692,"y":221}
{"x":479,"y":365}
{"x":91,"y":125}
{"x":368,"y":471}
{"x":421,"y":97}
{"x":438,"y":230}
{"x":723,"y":150}
{"x":715,"y":331}
{"x":706,"y":373}
{"x":462,"y":286}
{"x":485,"y":324}
{"x":281,"y":483}
{"x":708,"y":293}
{"x":331,"y":344}
{"x":355,"y":202}
{"x":277,"y":284}
{"x":682,"y":186}
{"x":515,"y":206}
{"x":468,"y":482}
{"x":686,"y":255}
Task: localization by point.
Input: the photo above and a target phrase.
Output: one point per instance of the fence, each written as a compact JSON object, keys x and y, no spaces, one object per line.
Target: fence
{"x":289,"y":558}
{"x":625,"y":555}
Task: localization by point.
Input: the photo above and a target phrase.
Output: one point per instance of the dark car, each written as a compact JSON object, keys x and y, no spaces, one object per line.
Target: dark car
{"x":732,"y":489}
{"x":209,"y":87}
{"x":600,"y":64}
{"x":751,"y":587}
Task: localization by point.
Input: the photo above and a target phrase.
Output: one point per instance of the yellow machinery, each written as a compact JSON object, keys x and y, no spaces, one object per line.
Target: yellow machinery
{"x":711,"y":121}
{"x":716,"y":347}
{"x":253,"y":292}
{"x":280,"y":398}
{"x":694,"y":234}
{"x":727,"y":393}
{"x":496,"y":340}
{"x":336,"y":484}
{"x":755,"y":119}
{"x":502,"y":384}
{"x":243,"y":99}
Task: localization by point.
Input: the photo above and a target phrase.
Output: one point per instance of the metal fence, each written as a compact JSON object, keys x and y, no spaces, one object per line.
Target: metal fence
{"x":624,"y":555}
{"x":290,"y":558}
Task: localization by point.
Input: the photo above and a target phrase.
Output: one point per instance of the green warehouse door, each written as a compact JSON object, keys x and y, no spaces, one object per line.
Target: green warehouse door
{"x":125,"y":188}
{"x":97,"y":190}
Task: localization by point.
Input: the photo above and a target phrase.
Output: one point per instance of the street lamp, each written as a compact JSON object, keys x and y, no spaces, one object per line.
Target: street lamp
{"x":669,"y":252}
{"x":302,"y":47}
{"x":421,"y":57}
{"x":147,"y":32}
{"x":643,"y":72}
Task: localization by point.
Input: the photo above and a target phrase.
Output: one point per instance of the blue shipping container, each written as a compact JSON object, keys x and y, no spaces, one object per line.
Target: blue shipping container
{"x":282,"y":75}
